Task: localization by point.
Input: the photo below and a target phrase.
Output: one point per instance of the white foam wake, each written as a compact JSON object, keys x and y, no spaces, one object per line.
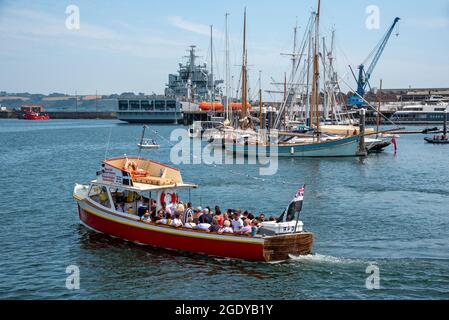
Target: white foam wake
{"x":318,"y":258}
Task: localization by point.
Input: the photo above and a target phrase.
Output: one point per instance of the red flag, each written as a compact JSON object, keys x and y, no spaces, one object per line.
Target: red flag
{"x":394,"y":142}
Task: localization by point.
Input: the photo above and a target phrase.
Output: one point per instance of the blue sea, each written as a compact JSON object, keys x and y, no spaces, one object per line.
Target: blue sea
{"x":387,"y":212}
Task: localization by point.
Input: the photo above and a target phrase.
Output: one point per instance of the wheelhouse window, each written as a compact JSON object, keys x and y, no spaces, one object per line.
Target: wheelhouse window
{"x":159,"y":104}
{"x":123,"y":105}
{"x":171,"y":104}
{"x":146,"y":105}
{"x":125,"y":201}
{"x":100,"y":195}
{"x":134,"y":105}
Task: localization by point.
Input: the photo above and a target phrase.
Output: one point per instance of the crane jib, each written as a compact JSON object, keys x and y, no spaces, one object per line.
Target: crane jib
{"x":364,"y":76}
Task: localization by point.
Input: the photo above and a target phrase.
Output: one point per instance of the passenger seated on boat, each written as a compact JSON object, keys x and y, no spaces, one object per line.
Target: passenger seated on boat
{"x":226,"y":217}
{"x":272,"y":219}
{"x":142,"y":211}
{"x":190,"y":224}
{"x":227,"y":228}
{"x":215,"y":227}
{"x":261,"y":217}
{"x":147,"y":216}
{"x":162,"y":212}
{"x":177,"y":223}
{"x":188,"y":212}
{"x":254,"y":228}
{"x":237,"y":223}
{"x":198,"y":212}
{"x":257,"y":223}
{"x":206,"y":214}
{"x":246,"y":230}
{"x":166,"y":220}
{"x":204,"y":226}
{"x":154,"y":216}
{"x":120,"y":207}
{"x":219,"y":216}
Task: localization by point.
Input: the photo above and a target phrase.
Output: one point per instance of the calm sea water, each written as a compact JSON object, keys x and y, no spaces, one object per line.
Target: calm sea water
{"x":392,"y":211}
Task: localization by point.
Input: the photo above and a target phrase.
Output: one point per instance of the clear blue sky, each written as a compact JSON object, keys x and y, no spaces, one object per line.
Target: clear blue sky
{"x":133,"y":45}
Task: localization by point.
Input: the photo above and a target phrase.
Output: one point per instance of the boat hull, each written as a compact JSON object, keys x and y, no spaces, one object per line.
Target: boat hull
{"x":347,"y":147}
{"x":276,"y":248}
{"x":432,"y":141}
{"x":36,"y":117}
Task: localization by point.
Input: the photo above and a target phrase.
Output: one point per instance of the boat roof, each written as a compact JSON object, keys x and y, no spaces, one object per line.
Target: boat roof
{"x":141,"y":187}
{"x":146,"y":175}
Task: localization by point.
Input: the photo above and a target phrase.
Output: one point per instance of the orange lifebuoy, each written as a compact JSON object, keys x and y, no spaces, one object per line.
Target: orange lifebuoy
{"x":174,"y":198}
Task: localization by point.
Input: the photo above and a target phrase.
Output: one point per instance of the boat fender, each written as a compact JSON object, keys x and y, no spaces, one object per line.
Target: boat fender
{"x":172,"y":197}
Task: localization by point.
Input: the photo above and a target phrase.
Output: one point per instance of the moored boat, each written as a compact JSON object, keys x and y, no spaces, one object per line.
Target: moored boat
{"x":443,"y":139}
{"x":306,"y":147}
{"x":137,"y":181}
{"x":147,"y":143}
{"x":35,"y":116}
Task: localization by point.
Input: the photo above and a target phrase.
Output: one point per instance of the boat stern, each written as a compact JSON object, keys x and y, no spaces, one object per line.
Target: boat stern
{"x":282,"y":247}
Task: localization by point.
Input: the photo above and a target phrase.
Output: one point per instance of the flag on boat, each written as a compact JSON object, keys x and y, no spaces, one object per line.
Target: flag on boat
{"x":294,"y":208}
{"x":395,"y":144}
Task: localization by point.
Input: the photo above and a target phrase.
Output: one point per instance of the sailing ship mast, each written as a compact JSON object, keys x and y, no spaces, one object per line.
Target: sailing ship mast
{"x":260,"y":101}
{"x":244,"y":114}
{"x":378,"y":109}
{"x":212,"y":64}
{"x":316,"y":75}
{"x":228,"y":72}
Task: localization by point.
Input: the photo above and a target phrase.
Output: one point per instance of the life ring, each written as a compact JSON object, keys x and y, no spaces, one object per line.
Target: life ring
{"x":173,"y":197}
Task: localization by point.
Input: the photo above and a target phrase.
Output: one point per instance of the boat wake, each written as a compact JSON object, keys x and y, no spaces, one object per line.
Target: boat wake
{"x":318,"y":258}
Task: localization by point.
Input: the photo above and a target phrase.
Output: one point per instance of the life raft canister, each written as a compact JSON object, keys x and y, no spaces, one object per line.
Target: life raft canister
{"x":171,"y":197}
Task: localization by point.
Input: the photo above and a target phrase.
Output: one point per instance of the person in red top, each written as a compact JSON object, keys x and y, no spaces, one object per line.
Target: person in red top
{"x":219,"y":216}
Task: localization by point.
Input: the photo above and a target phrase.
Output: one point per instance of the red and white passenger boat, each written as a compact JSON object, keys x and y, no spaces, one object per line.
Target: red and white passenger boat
{"x":145,"y":179}
{"x":35,"y":116}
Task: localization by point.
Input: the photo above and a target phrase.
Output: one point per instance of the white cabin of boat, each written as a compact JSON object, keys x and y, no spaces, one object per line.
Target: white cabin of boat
{"x":141,"y":176}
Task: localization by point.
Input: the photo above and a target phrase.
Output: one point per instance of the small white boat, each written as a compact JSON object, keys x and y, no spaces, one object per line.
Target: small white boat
{"x":147,"y":143}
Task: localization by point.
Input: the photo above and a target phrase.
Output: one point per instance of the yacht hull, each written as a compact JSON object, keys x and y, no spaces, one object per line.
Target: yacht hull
{"x":347,"y":147}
